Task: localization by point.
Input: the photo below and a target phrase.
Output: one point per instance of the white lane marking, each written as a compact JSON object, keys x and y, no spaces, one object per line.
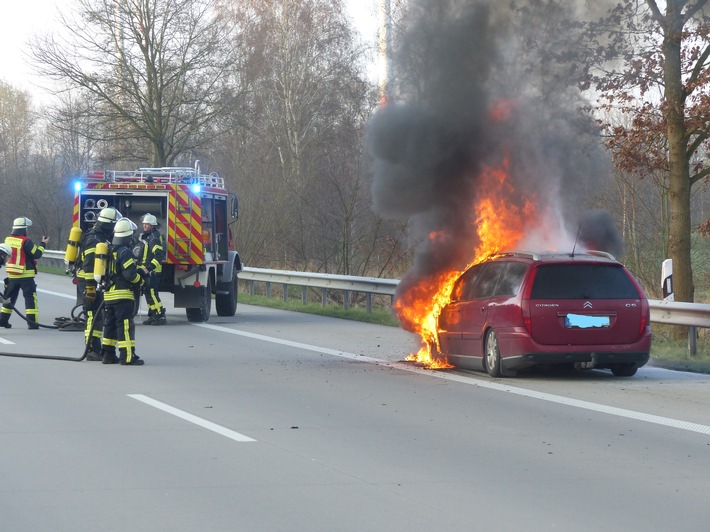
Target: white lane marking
{"x":4,"y":341}
{"x":192,"y":419}
{"x":558,"y":399}
{"x":58,"y":294}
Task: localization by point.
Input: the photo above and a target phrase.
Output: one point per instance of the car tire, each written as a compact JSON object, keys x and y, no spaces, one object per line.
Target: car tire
{"x":492,"y":355}
{"x":624,"y":370}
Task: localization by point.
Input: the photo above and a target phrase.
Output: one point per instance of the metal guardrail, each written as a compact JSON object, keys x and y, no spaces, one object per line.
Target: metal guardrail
{"x":666,"y":312}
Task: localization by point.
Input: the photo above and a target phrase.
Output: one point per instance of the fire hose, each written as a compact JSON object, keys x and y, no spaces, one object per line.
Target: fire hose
{"x":59,"y":327}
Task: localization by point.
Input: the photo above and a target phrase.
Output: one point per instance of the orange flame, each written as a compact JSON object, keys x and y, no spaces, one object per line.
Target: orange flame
{"x":500,"y":224}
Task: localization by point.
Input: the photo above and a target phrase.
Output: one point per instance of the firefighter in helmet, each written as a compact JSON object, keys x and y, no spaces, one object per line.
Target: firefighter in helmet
{"x":122,"y":278}
{"x":150,"y":262}
{"x":102,"y":231}
{"x":21,"y":267}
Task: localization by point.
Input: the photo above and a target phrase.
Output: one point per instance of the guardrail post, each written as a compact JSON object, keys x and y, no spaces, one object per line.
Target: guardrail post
{"x":693,"y":340}
{"x":346,"y":299}
{"x":268,"y":289}
{"x":304,"y":294}
{"x":324,"y":296}
{"x":368,"y":301}
{"x":285,"y":288}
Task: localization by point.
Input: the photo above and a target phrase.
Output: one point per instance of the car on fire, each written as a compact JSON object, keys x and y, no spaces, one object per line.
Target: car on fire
{"x":517,"y":310}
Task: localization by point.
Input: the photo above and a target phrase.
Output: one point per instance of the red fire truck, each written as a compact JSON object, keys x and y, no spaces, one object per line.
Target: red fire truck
{"x":194,"y":213}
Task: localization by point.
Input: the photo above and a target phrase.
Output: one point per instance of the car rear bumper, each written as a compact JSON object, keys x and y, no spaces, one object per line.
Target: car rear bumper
{"x":587,"y":360}
{"x":519,"y":351}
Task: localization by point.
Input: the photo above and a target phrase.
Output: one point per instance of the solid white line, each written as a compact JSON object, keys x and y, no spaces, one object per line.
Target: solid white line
{"x":192,"y":419}
{"x":558,"y":399}
{"x":58,"y":294}
{"x":4,"y":341}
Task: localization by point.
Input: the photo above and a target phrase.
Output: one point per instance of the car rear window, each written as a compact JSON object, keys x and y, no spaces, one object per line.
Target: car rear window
{"x":583,"y":281}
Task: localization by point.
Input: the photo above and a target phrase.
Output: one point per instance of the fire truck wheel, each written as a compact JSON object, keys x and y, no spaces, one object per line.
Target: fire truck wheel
{"x":202,"y":313}
{"x":226,"y":304}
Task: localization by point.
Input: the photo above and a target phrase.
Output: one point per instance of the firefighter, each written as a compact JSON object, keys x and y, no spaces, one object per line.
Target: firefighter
{"x":102,"y":231}
{"x":150,"y":263}
{"x":21,"y":267}
{"x":122,"y":278}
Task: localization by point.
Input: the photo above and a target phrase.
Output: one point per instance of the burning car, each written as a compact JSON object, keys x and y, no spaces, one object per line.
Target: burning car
{"x":515,"y":310}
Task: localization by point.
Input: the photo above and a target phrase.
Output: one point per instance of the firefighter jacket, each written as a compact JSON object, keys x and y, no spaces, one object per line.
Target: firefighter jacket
{"x":123,"y":275}
{"x":87,"y":253}
{"x":153,"y":254}
{"x":22,"y":263}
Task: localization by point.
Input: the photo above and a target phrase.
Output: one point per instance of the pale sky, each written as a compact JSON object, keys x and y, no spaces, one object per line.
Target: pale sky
{"x":24,"y":18}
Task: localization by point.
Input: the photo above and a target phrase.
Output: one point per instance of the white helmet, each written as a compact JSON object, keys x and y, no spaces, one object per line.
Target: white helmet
{"x":149,"y":219}
{"x":21,"y":223}
{"x":109,"y":215}
{"x":124,"y":227}
{"x":123,"y":232}
{"x":7,"y":250}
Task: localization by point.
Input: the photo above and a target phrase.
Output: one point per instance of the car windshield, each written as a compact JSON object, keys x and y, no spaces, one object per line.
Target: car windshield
{"x":583,"y":281}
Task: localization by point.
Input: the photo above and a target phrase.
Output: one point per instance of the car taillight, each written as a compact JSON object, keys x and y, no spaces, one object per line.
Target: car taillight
{"x":525,"y":301}
{"x":645,"y":316}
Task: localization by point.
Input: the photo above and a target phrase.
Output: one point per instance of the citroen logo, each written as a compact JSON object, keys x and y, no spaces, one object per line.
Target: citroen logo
{"x":587,"y":304}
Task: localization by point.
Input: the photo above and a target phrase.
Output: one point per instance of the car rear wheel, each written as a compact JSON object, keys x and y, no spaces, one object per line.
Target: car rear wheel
{"x":492,"y":358}
{"x":624,"y":370}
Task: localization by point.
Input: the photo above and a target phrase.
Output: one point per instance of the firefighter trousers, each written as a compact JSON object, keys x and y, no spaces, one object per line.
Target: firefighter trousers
{"x":119,"y":329}
{"x":94,"y":319}
{"x":155,"y":306}
{"x":29,"y":291}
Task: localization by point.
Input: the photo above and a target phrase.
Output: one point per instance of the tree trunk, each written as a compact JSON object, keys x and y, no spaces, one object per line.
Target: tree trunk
{"x":679,"y":170}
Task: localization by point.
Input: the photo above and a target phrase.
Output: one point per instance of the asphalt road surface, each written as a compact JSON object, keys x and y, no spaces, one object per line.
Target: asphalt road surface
{"x":278,"y":421}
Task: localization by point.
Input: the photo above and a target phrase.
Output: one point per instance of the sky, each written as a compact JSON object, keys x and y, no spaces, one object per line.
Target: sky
{"x":25,"y":18}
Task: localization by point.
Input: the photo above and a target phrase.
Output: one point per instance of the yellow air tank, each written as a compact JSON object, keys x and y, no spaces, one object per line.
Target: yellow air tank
{"x":72,"y":245}
{"x":100,"y":261}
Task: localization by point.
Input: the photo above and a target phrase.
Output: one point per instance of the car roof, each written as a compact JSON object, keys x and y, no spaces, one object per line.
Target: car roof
{"x":556,"y":256}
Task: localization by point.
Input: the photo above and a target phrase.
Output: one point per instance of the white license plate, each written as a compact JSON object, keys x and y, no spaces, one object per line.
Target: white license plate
{"x":580,"y":321}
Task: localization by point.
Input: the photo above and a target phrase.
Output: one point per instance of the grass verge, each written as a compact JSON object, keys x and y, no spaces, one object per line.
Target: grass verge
{"x":377,"y":316}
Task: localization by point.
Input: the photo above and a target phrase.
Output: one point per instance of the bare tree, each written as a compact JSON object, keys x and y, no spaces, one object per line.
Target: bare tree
{"x":299,"y":138}
{"x":16,"y":126}
{"x":157,"y":70}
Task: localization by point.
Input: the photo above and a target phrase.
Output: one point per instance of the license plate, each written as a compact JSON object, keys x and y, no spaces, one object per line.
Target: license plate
{"x":580,"y":321}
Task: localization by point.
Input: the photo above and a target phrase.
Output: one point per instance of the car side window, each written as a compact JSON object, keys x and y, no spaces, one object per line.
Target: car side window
{"x":465,"y":283}
{"x":488,"y":279}
{"x":511,"y":279}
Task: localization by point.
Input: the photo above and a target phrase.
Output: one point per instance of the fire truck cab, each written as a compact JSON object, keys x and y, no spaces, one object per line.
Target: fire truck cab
{"x":194,"y":213}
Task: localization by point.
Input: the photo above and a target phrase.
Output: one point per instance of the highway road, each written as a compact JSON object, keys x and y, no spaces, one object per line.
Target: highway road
{"x":278,"y":421}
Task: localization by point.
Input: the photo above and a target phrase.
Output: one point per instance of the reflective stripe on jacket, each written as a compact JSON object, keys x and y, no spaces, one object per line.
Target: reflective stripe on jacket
{"x":123,"y":276}
{"x":21,"y":264}
{"x":153,"y":252}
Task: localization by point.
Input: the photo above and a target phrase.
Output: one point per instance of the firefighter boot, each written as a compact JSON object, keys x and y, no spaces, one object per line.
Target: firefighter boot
{"x":5,"y":321}
{"x":108,"y":357}
{"x":94,"y":353}
{"x":151,"y":318}
{"x":159,"y":319}
{"x":134,"y":361}
{"x":32,"y":323}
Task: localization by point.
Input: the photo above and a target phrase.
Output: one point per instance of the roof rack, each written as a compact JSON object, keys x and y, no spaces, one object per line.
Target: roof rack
{"x":598,"y":253}
{"x":183,"y":175}
{"x":516,"y":253}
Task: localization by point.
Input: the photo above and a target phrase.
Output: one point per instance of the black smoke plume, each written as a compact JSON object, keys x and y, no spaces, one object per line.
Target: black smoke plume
{"x":467,"y":93}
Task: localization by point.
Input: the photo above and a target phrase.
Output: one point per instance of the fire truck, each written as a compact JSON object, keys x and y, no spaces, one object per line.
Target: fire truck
{"x":194,"y":212}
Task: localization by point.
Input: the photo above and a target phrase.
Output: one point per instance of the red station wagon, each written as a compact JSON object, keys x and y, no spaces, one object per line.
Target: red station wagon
{"x":518,"y":309}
